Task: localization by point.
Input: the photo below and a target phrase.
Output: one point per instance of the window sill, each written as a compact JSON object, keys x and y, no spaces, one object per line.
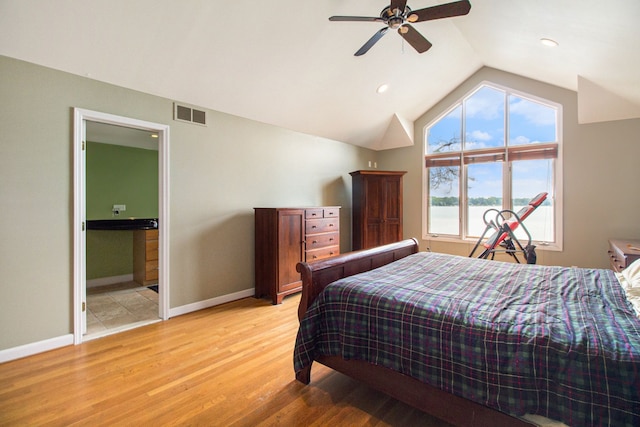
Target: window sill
{"x":540,"y":246}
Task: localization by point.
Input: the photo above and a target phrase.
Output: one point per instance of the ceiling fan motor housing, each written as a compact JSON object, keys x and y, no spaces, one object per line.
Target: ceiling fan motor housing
{"x":394,"y":18}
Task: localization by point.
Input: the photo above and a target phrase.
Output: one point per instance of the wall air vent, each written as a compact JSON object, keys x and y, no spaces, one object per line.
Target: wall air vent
{"x":184,"y":113}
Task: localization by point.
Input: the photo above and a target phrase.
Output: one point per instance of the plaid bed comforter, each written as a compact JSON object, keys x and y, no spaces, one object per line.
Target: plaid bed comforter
{"x":559,"y":342}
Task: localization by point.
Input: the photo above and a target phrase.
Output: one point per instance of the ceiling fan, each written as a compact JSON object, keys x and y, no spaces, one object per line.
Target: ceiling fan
{"x":399,"y":16}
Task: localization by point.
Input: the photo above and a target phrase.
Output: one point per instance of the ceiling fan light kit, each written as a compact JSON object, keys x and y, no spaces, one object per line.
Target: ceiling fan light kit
{"x":398,"y":16}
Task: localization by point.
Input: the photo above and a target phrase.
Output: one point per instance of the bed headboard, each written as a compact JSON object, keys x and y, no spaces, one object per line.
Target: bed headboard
{"x":318,"y":274}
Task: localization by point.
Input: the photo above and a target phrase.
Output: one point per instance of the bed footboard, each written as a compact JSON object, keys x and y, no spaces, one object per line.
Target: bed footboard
{"x":316,"y":275}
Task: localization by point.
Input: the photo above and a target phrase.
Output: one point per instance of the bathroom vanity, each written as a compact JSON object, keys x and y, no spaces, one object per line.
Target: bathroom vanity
{"x":145,"y":244}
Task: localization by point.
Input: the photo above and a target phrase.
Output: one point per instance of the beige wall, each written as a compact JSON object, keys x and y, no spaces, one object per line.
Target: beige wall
{"x":217,"y":175}
{"x":601,"y":175}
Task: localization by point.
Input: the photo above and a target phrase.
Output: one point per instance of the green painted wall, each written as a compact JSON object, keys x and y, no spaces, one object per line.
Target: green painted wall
{"x":121,"y":175}
{"x":117,"y":175}
{"x":109,"y":253}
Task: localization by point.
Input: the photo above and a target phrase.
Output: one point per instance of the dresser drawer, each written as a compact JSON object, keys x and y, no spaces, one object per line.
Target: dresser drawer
{"x":622,"y":253}
{"x":322,"y":240}
{"x":326,"y":225}
{"x":616,"y":258}
{"x":314,"y":213}
{"x":319,"y":254}
{"x":331,"y":212}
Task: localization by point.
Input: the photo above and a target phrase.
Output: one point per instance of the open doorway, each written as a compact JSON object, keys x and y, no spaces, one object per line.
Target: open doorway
{"x":117,"y":224}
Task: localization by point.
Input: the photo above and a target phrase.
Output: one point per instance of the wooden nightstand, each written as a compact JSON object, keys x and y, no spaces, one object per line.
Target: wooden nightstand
{"x":622,"y":253}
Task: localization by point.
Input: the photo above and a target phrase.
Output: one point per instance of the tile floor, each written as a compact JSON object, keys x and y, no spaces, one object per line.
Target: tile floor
{"x":119,"y":307}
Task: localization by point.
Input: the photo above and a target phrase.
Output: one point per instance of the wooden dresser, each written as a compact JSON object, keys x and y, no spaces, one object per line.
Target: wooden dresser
{"x":145,"y":256}
{"x":622,"y":253}
{"x":377,"y":208}
{"x":287,"y":236}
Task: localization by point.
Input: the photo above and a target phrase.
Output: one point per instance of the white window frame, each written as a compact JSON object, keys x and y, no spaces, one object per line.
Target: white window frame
{"x":557,"y":197}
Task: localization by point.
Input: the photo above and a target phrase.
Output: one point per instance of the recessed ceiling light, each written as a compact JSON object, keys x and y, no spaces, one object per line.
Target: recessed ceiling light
{"x":549,"y":42}
{"x":382,"y":88}
{"x":154,"y":135}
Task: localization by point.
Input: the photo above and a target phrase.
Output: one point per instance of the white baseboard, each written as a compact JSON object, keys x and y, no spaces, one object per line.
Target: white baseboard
{"x":35,"y":348}
{"x":201,"y":305}
{"x":103,"y":281}
{"x":62,"y":341}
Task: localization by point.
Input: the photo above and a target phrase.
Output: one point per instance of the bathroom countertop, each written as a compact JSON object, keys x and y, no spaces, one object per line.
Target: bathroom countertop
{"x":123,"y":224}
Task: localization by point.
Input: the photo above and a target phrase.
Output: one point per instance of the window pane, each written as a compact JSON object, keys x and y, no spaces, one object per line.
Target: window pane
{"x":444,"y":135}
{"x":531,"y":177}
{"x":530,"y":122}
{"x":484,"y":191}
{"x":444,"y":202}
{"x":484,"y":119}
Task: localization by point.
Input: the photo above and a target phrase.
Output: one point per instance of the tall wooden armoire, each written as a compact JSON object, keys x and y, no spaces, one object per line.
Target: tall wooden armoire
{"x":377,"y":208}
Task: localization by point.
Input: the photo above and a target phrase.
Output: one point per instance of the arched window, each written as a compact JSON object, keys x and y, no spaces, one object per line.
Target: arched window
{"x":495,"y":148}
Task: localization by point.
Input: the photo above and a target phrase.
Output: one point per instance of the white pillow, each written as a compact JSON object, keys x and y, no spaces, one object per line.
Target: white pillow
{"x":632,"y":274}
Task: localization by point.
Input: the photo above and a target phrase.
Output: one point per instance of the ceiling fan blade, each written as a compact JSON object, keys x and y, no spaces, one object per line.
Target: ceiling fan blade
{"x":448,"y":10}
{"x":377,"y":36}
{"x":414,"y":38}
{"x":398,"y":4}
{"x":356,"y":18}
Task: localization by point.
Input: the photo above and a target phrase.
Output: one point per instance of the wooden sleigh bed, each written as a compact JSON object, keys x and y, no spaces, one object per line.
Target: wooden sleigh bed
{"x":445,"y":401}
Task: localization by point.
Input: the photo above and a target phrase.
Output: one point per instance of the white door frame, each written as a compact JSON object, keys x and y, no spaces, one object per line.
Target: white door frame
{"x":81,"y":116}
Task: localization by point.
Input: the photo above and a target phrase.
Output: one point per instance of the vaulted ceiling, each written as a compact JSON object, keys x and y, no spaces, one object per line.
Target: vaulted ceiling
{"x":283,"y":62}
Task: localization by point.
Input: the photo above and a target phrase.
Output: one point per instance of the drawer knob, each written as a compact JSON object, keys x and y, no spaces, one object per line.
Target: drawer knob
{"x":314,"y":226}
{"x":315,"y":241}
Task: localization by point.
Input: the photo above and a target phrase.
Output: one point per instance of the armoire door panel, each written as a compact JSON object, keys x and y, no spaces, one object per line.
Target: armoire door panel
{"x":373,"y":199}
{"x":391,"y":233}
{"x":392,"y":209}
{"x":290,"y":247}
{"x":373,"y":236}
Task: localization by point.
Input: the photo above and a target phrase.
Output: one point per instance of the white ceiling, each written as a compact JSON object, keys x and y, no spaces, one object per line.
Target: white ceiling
{"x":282,"y":62}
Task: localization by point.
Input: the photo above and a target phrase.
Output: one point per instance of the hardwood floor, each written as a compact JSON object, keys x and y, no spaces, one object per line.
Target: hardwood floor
{"x":230,"y":365}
